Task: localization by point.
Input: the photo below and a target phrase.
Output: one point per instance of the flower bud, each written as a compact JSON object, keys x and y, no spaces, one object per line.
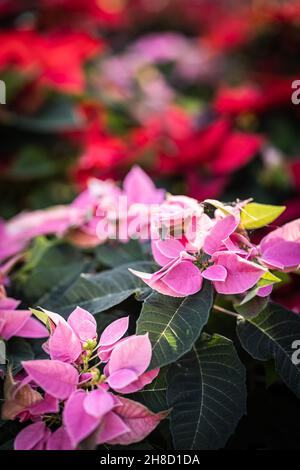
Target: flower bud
{"x":89,"y":345}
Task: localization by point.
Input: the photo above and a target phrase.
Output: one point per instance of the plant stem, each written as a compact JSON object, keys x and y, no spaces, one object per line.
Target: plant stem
{"x":224,"y":310}
{"x":93,"y":357}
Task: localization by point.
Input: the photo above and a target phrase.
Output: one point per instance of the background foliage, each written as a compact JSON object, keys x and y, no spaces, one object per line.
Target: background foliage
{"x":199,"y":95}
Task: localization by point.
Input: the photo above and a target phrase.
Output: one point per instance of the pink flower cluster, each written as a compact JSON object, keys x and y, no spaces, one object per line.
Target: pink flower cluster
{"x":72,"y":399}
{"x":17,"y":322}
{"x":118,"y":213}
{"x":187,"y":244}
{"x":91,"y":219}
{"x":217,"y":249}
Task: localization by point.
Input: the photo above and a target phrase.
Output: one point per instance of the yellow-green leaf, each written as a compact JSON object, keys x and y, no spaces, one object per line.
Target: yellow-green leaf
{"x":267,"y":279}
{"x":42,"y":316}
{"x":256,"y":215}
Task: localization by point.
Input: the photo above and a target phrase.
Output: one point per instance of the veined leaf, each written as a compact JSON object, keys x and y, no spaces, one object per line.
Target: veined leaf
{"x":256,"y":215}
{"x":65,"y":282}
{"x":174,"y":323}
{"x":207,"y":394}
{"x":113,"y":255}
{"x":270,"y":335}
{"x":154,"y":395}
{"x":99,"y":292}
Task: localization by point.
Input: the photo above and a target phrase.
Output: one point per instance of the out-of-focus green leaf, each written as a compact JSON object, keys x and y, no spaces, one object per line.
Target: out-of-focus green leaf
{"x":57,"y":115}
{"x":33,"y":163}
{"x":49,"y":265}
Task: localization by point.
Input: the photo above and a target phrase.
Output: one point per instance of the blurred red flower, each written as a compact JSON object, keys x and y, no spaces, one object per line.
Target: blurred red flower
{"x":54,"y":60}
{"x":252,"y":98}
{"x":177,"y":143}
{"x":103,"y":12}
{"x":103,"y":154}
{"x":168,"y":144}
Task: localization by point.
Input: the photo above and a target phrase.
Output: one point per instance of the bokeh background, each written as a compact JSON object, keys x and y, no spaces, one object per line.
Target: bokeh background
{"x":198,"y":93}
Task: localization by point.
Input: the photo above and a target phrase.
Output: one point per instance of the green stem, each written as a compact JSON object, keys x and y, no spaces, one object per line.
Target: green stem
{"x":227,"y":312}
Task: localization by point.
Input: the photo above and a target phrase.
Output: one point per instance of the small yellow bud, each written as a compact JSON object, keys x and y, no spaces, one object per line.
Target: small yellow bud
{"x":90,"y":344}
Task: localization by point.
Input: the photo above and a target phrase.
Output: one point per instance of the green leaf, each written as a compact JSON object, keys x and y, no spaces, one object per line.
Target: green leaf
{"x":253,"y":307}
{"x":18,"y":350}
{"x":267,"y":279}
{"x":35,"y":254}
{"x":42,"y":316}
{"x":49,"y":264}
{"x":57,"y":115}
{"x":116,"y":254}
{"x":68,"y":278}
{"x":256,"y":215}
{"x":99,"y":292}
{"x":154,"y":395}
{"x":33,"y":163}
{"x":174,"y":323}
{"x":251,"y":294}
{"x":270,"y":335}
{"x":207,"y":394}
{"x":252,"y":304}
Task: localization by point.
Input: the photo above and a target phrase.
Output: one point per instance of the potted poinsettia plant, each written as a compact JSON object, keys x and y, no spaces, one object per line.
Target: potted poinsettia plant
{"x":123,"y":343}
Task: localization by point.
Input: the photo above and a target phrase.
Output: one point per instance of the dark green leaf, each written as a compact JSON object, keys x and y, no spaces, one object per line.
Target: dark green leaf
{"x":99,"y":292}
{"x":207,"y":394}
{"x":33,"y":162}
{"x":49,"y":264}
{"x":116,"y":254}
{"x":253,"y":307}
{"x":270,"y":335}
{"x":174,"y":323}
{"x":68,"y":278}
{"x":154,"y":395}
{"x":57,"y":115}
{"x":18,"y":350}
